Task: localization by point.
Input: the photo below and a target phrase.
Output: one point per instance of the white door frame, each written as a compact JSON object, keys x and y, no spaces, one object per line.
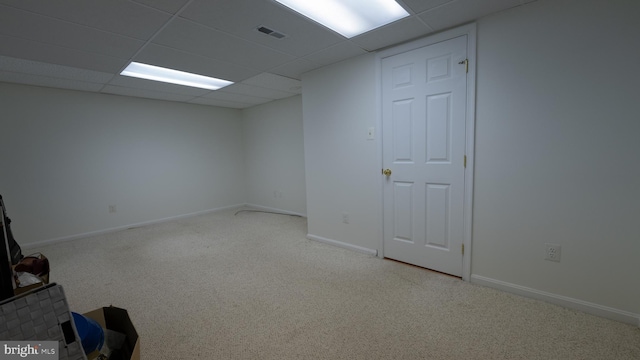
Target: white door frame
{"x":470,"y":31}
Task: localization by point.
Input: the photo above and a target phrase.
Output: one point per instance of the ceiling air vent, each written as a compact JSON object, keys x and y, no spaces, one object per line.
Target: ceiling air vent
{"x":271,"y":32}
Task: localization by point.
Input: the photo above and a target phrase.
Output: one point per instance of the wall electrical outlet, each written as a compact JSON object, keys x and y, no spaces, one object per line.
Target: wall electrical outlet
{"x":553,"y":252}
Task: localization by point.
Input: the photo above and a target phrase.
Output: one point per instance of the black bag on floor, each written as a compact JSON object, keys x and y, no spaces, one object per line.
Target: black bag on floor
{"x":15,"y":252}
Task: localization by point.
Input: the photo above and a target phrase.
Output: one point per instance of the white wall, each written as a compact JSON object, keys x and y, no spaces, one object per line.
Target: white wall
{"x":556,"y":151}
{"x":274,"y":155}
{"x":342,"y":166}
{"x":68,"y":155}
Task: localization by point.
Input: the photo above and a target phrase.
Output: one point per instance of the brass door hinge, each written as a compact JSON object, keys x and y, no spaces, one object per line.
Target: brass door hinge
{"x":465,"y":161}
{"x":462,"y":249}
{"x":466,"y":65}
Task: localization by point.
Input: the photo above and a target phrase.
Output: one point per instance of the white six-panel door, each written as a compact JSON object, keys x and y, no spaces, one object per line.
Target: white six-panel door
{"x":423,"y":118}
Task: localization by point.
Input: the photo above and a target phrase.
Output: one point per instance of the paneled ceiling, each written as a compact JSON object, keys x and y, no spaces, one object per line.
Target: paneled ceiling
{"x":84,"y":45}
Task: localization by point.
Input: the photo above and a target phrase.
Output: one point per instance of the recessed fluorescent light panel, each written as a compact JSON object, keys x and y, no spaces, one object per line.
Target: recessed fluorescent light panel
{"x":156,"y":73}
{"x":349,"y":17}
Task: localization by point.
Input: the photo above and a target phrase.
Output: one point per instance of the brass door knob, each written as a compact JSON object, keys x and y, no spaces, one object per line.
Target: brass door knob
{"x":386,"y":172}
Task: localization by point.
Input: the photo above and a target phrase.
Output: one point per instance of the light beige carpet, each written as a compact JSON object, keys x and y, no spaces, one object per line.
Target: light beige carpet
{"x":251,"y":286}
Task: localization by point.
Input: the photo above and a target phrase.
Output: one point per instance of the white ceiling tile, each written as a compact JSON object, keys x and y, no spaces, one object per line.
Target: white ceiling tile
{"x":197,"y":39}
{"x":242,"y":17}
{"x":295,"y":69}
{"x":144,"y":93}
{"x":116,"y":16}
{"x":81,"y":44}
{"x":170,"y":6}
{"x":220,"y":103}
{"x":46,"y":81}
{"x":394,"y":33}
{"x":160,"y":55}
{"x":277,"y":82}
{"x":460,"y":11}
{"x":244,"y":89}
{"x":131,"y":82}
{"x":227,"y":96}
{"x":51,"y":70}
{"x":25,"y":25}
{"x":335,"y":53}
{"x":418,"y":6}
{"x":31,"y":50}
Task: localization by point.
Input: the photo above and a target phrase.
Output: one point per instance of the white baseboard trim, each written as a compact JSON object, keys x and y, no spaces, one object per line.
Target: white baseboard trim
{"x":34,"y":245}
{"x":266,"y":208}
{"x":341,"y":244}
{"x":571,"y":303}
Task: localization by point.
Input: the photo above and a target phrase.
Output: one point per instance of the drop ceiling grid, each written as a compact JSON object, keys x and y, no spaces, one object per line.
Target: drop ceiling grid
{"x":402,"y":30}
{"x":166,"y":56}
{"x":37,"y":68}
{"x":461,"y":11}
{"x":257,"y":91}
{"x":227,"y":96}
{"x":215,"y":102}
{"x":419,"y":6}
{"x":242,"y":17}
{"x":44,"y":29}
{"x":335,"y":53}
{"x":38,"y":51}
{"x":274,"y":82}
{"x":77,"y":44}
{"x":168,"y":6}
{"x":124,"y":18}
{"x":295,"y":68}
{"x":143,"y":84}
{"x":198,"y":39}
{"x":145,"y":93}
{"x":48,"y":81}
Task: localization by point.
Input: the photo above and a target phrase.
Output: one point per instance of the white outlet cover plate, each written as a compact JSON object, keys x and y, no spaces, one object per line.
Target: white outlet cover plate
{"x":553,"y":252}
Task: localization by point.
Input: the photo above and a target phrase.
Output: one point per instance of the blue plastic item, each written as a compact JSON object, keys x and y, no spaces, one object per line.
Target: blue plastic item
{"x":90,"y":333}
